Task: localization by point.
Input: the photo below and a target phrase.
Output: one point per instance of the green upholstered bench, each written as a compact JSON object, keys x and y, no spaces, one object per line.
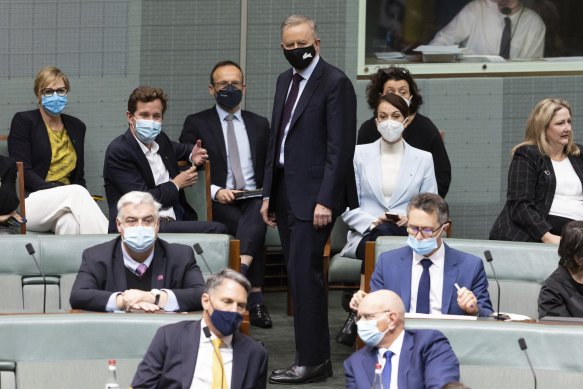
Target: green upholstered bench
{"x":71,"y":350}
{"x":60,"y":258}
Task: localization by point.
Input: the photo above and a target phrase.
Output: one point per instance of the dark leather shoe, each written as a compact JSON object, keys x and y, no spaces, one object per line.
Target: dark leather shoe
{"x":259,"y":316}
{"x":327,"y":364}
{"x":301,"y":375}
{"x":347,"y":335}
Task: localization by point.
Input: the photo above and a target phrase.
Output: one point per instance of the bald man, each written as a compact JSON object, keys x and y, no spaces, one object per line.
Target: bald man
{"x":410,"y":358}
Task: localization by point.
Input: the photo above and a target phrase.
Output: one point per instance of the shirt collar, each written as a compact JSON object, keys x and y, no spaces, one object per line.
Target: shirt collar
{"x":147,"y":151}
{"x":307,"y":72}
{"x":395,"y":347}
{"x":131,"y":264}
{"x":223,"y":114}
{"x":437,"y":257}
{"x":227,"y":340}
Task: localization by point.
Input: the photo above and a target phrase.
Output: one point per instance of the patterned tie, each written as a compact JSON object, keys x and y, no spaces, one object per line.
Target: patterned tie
{"x":287,"y":111}
{"x":234,"y":159}
{"x":506,"y":37}
{"x":424,"y":286}
{"x":141,"y":269}
{"x":387,"y":369}
{"x":219,"y":380}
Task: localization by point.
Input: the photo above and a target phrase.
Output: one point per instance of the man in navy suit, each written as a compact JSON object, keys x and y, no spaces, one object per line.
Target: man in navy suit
{"x":309,"y":180}
{"x":211,"y":352}
{"x":403,"y":271}
{"x":145,"y":159}
{"x":237,"y":165}
{"x":412,"y":359}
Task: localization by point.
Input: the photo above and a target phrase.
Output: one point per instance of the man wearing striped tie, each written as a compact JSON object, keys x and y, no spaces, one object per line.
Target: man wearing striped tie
{"x":211,"y":352}
{"x":136,"y":270}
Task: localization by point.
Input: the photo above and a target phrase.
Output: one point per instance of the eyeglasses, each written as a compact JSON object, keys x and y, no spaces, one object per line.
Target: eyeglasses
{"x":370,"y":316}
{"x":426,"y":232}
{"x":47,"y":92}
{"x":225,"y":84}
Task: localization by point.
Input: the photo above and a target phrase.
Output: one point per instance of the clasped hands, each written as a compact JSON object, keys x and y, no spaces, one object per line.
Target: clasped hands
{"x":137,"y":299}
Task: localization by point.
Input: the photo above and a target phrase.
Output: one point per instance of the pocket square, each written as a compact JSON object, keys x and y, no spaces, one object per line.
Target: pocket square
{"x":160,"y":277}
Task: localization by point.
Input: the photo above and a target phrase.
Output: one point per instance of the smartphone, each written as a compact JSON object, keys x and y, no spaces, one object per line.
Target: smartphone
{"x":392,"y":217}
{"x":11,"y":221}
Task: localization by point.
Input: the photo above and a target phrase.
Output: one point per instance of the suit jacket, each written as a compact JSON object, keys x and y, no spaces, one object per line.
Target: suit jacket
{"x":126,"y":168}
{"x":170,"y":360}
{"x":393,"y":272}
{"x":29,"y":142}
{"x":426,"y":362}
{"x":319,"y":147}
{"x":102,"y":273}
{"x":560,"y":295}
{"x":206,"y":126}
{"x":416,"y":175}
{"x":8,"y":198}
{"x":531,"y":190}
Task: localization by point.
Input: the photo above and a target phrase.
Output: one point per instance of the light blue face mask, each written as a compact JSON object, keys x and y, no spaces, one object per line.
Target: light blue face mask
{"x":139,"y":238}
{"x":147,"y":130}
{"x":423,"y":246}
{"x":369,"y":332}
{"x":54,"y":104}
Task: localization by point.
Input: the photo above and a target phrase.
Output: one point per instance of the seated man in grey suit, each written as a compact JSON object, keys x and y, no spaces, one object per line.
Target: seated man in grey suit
{"x":427,"y":272}
{"x":211,"y":352}
{"x":415,"y":359}
{"x":136,"y":270}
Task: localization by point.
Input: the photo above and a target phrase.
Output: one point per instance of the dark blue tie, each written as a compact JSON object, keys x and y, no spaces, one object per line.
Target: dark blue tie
{"x":387,"y":369}
{"x":506,"y":38}
{"x":424,"y":286}
{"x":287,"y":111}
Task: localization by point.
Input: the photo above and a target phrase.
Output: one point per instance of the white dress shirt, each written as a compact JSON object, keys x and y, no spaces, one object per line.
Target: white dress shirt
{"x":436,"y":276}
{"x":203,"y":371}
{"x":395,"y":347}
{"x":568,"y":200}
{"x":305,"y":73}
{"x":479,"y":25}
{"x":244,"y":152}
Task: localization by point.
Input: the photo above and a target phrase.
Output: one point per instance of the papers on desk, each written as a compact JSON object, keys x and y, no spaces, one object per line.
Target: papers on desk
{"x":413,"y":315}
{"x":440,"y":53}
{"x":514,"y":316}
{"x":388,"y":55}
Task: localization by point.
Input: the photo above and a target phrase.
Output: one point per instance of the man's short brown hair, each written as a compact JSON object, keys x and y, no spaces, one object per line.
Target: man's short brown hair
{"x":146,"y":94}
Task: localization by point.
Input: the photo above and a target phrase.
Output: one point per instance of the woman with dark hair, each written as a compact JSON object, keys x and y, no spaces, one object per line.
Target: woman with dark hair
{"x":420,"y":133}
{"x":545,"y":179}
{"x":562,"y":293}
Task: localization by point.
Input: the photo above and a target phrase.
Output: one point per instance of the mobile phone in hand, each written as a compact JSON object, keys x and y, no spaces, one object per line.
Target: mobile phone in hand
{"x":393,"y":218}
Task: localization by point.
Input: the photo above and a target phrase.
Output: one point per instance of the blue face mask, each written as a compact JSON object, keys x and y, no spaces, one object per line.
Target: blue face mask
{"x":147,"y":130}
{"x":226,"y":322}
{"x":423,"y":246}
{"x":369,"y":332}
{"x":54,"y":104}
{"x":139,"y":238}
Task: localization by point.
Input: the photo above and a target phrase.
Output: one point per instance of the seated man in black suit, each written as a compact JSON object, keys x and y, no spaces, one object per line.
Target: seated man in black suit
{"x":136,"y":270}
{"x":237,"y":164}
{"x":207,"y":353}
{"x":145,"y":159}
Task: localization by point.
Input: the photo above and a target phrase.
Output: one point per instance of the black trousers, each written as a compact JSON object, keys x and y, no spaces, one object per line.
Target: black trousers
{"x":303,"y":247}
{"x":558,"y":223}
{"x":243,"y":220}
{"x":383,"y":229}
{"x":190,"y":226}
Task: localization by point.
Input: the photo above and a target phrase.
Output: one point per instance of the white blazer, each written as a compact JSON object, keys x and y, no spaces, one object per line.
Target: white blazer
{"x":416,"y":175}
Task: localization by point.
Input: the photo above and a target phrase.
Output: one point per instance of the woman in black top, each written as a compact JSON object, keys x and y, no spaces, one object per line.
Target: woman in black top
{"x":420,"y":133}
{"x":562,"y":293}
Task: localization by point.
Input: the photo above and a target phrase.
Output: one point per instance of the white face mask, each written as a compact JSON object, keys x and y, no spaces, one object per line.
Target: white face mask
{"x":391,"y":129}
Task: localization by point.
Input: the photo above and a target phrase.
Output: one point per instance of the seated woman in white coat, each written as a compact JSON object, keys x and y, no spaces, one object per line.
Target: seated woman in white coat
{"x":389,"y":172}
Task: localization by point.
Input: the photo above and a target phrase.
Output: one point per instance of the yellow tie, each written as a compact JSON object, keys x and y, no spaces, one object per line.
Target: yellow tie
{"x":219,"y":379}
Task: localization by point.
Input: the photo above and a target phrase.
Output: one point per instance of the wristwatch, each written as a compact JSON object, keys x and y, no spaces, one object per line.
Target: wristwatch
{"x":156,"y":293}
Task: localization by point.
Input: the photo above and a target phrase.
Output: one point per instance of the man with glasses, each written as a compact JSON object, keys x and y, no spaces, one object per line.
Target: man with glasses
{"x":145,"y":159}
{"x":236,"y":141}
{"x":413,"y":359}
{"x":136,"y":270}
{"x":427,"y":272}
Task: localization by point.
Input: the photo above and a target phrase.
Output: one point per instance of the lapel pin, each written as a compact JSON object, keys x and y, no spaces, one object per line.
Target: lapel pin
{"x":160,"y":277}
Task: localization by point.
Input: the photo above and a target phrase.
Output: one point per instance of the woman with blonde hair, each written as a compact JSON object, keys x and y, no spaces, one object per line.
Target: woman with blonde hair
{"x":545,"y":179}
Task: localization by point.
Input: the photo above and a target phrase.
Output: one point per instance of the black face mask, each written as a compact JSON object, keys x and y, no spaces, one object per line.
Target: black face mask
{"x":301,"y":57}
{"x":229,"y":97}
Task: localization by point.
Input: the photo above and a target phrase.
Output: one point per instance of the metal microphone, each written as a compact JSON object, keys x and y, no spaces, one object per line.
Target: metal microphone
{"x":207,"y":333}
{"x":522,"y":344}
{"x":199,"y":251}
{"x":489,"y":259}
{"x":31,"y":252}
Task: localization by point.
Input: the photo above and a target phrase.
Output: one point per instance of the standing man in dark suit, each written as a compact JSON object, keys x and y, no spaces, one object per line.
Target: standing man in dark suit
{"x":211,"y":352}
{"x":415,"y":359}
{"x":308,"y":180}
{"x":136,"y":270}
{"x":145,"y":159}
{"x":236,"y":141}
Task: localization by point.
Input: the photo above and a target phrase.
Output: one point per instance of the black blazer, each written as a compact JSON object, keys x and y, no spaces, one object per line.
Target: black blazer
{"x":8,"y":172}
{"x":170,"y":360}
{"x":560,"y":295}
{"x":126,"y":169}
{"x":29,"y":142}
{"x":319,"y":147}
{"x":206,"y":126}
{"x":531,"y":189}
{"x":102,"y":273}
